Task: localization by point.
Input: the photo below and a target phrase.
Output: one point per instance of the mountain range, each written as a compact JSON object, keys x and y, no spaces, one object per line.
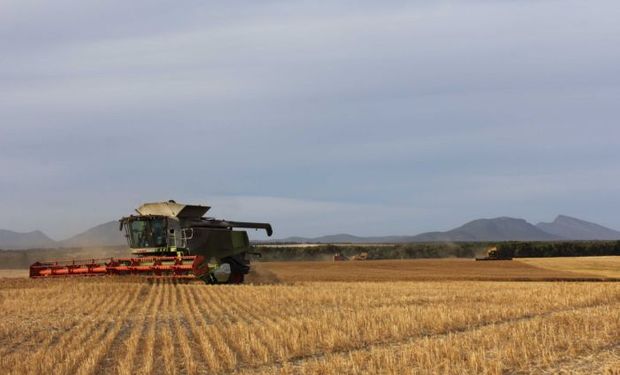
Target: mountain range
{"x":496,"y":229}
{"x":575,"y":229}
{"x":106,"y":234}
{"x":15,"y":240}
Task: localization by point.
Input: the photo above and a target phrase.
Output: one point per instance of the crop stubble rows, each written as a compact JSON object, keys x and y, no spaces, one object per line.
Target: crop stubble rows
{"x":106,"y":326}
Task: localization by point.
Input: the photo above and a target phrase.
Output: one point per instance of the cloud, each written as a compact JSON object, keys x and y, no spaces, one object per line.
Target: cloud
{"x":427,"y":112}
{"x":311,"y":218}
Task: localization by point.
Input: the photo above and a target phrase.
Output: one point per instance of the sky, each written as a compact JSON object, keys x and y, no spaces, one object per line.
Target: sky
{"x":362,"y":117}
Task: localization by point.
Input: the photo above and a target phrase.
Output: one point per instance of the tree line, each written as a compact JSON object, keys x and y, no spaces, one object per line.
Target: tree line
{"x":511,"y":249}
{"x":518,"y":249}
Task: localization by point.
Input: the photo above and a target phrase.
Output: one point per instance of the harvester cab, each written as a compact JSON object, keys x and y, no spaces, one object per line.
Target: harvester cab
{"x":163,"y":228}
{"x":170,"y":239}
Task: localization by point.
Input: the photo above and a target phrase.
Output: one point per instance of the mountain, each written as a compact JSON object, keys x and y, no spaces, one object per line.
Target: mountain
{"x":497,"y":229}
{"x":16,"y":240}
{"x":345,"y":238}
{"x":576,"y":229}
{"x":106,"y":234}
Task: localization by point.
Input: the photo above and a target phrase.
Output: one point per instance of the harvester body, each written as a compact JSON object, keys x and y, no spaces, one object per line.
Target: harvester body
{"x":169,"y":239}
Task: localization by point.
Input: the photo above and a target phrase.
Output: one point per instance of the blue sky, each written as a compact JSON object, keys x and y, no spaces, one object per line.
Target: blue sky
{"x":370,"y":118}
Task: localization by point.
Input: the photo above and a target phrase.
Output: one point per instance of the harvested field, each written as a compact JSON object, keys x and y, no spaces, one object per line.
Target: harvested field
{"x":106,"y":326}
{"x":416,"y":270}
{"x":12,"y":273}
{"x":606,"y":266}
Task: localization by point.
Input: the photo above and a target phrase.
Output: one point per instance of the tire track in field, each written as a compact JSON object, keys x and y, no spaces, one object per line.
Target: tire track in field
{"x":365,"y":347}
{"x":257,"y":327}
{"x":100,"y":343}
{"x":57,"y":348}
{"x":147,"y":344}
{"x":57,"y":306}
{"x":245,"y":344}
{"x":135,"y":332}
{"x":210,"y":305}
{"x":62,"y":347}
{"x":589,"y":364}
{"x":267,"y":331}
{"x":266,"y":324}
{"x":180,"y":331}
{"x":525,"y":356}
{"x":239,"y":338}
{"x":168,"y":350}
{"x":205,"y":352}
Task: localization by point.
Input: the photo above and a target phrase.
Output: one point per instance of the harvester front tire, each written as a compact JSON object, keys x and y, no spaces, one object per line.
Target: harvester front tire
{"x":236,"y":278}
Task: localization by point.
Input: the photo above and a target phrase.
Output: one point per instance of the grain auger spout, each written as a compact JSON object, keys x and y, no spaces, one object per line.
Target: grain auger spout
{"x":170,"y":239}
{"x":215,"y":223}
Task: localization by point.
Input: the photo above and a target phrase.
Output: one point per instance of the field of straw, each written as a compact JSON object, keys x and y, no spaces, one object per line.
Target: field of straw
{"x":111,"y":326}
{"x":606,"y":266}
{"x":533,"y":269}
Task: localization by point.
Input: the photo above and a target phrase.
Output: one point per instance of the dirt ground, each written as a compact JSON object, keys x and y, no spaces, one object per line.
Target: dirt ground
{"x":526,"y":269}
{"x":11,"y":273}
{"x":418,"y":270}
{"x":606,"y":266}
{"x":449,"y":316}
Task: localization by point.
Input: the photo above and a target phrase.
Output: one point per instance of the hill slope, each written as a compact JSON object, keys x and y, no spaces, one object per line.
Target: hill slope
{"x":576,"y":229}
{"x":497,"y":229}
{"x":346,"y":238}
{"x":106,"y":234}
{"x":16,"y":240}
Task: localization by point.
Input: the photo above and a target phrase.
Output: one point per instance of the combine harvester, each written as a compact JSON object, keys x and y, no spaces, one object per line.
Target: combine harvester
{"x":170,"y":240}
{"x":494,"y":254}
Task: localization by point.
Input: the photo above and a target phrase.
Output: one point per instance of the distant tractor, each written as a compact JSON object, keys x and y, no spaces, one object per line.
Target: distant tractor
{"x":341,"y":257}
{"x":360,"y":256}
{"x":338,"y":257}
{"x":494,"y":254}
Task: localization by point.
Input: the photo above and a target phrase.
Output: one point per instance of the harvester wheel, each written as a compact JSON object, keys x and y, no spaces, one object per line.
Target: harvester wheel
{"x":200,"y":268}
{"x":236,"y":278}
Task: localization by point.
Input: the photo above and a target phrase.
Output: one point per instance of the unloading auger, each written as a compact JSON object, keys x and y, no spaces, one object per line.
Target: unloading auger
{"x":171,"y":240}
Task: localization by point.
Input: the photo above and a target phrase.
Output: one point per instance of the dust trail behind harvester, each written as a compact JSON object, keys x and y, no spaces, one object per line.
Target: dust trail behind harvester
{"x":260,"y":275}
